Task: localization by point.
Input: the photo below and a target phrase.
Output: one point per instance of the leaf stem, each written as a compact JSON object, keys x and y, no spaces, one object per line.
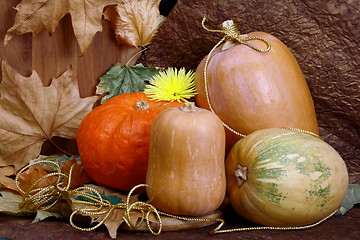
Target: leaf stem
{"x":143,"y":50}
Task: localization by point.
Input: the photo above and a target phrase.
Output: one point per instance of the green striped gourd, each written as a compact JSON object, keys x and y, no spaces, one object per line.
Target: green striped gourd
{"x":280,"y":177}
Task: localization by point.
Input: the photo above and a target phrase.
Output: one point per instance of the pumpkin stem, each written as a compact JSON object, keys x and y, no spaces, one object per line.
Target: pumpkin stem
{"x":231,"y":32}
{"x":241,"y":174}
{"x":188,"y":107}
{"x":142,"y":105}
{"x":235,"y":33}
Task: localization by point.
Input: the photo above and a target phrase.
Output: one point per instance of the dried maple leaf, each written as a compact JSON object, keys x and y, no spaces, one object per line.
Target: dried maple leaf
{"x":9,"y":203}
{"x":86,"y":19}
{"x":41,"y":215}
{"x":5,"y":180}
{"x":113,"y":222}
{"x":78,"y":176}
{"x":35,"y":15}
{"x":135,"y":22}
{"x":39,"y":168}
{"x":31,"y":175}
{"x":32,"y":113}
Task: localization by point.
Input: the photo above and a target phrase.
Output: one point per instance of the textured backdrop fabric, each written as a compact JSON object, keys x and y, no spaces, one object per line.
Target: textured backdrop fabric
{"x":322,"y":35}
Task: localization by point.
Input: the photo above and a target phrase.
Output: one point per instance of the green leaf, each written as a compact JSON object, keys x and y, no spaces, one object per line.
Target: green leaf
{"x":63,"y":158}
{"x":352,"y":197}
{"x":128,"y":79}
{"x":113,"y":199}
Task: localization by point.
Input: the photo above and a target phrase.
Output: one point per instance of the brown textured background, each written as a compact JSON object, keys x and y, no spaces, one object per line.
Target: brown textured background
{"x":322,"y":35}
{"x":336,"y":228}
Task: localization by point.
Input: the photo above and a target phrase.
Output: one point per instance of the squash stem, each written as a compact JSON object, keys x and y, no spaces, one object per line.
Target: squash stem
{"x":188,"y":107}
{"x":241,"y":174}
{"x":142,"y":105}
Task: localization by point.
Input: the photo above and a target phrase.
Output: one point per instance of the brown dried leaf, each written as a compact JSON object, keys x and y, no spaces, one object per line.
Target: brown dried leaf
{"x":135,"y":22}
{"x":41,"y":215}
{"x":31,"y":113}
{"x":31,"y":175}
{"x":78,"y":177}
{"x":86,"y":19}
{"x":113,"y":222}
{"x":35,"y":15}
{"x":116,"y":218}
{"x":5,"y":180}
{"x":9,"y":203}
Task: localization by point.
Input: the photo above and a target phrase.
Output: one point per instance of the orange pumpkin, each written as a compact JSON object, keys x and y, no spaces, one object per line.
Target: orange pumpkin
{"x":251,"y":90}
{"x":113,"y":139}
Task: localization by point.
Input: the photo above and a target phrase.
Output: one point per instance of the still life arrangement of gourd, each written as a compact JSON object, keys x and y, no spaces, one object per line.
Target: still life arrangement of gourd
{"x":162,"y":145}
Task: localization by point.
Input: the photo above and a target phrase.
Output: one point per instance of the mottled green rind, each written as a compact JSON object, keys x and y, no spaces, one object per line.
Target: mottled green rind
{"x":277,"y":151}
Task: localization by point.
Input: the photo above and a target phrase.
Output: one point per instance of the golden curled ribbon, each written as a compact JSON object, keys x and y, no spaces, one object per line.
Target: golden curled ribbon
{"x":231,"y":32}
{"x":45,"y":198}
{"x":144,"y":207}
{"x":303,"y":131}
{"x":41,"y":198}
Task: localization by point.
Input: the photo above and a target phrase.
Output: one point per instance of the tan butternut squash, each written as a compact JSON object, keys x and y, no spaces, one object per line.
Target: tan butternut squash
{"x":186,"y":168}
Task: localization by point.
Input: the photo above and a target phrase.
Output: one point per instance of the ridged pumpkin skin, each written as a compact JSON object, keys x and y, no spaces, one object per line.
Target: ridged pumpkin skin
{"x":186,"y":162}
{"x":292,"y":179}
{"x":113,"y":140}
{"x":250,"y":90}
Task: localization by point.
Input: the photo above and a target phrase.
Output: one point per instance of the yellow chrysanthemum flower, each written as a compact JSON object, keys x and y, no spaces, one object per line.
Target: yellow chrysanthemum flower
{"x":171,"y":85}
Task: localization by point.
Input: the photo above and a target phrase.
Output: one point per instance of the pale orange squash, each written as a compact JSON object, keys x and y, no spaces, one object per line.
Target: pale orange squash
{"x":251,"y":90}
{"x":186,"y":168}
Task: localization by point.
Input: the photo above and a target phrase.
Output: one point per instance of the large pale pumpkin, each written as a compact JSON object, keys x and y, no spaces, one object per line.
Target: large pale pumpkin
{"x":113,"y":139}
{"x":251,"y":90}
{"x":186,"y":167}
{"x":279,"y":177}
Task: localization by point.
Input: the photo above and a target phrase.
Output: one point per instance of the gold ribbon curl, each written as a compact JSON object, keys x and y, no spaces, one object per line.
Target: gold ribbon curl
{"x":231,"y":32}
{"x":45,"y":198}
